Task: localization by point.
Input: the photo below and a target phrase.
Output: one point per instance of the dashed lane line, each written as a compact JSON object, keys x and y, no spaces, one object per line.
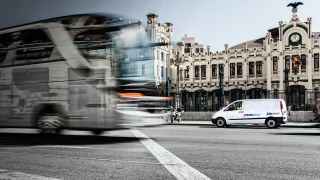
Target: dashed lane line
{"x":177,"y":167}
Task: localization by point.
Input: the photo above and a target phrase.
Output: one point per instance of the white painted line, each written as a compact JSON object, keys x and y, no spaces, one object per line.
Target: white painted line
{"x":177,"y":167}
{"x":62,"y":146}
{"x":12,"y":175}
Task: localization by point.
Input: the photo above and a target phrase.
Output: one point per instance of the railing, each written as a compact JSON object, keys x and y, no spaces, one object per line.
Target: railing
{"x":208,"y":100}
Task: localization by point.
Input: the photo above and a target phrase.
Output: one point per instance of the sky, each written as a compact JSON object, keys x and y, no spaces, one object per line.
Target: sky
{"x":211,"y":22}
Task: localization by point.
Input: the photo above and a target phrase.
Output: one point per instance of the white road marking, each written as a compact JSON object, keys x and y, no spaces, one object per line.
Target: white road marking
{"x":13,"y":175}
{"x":62,"y":146}
{"x":177,"y":167}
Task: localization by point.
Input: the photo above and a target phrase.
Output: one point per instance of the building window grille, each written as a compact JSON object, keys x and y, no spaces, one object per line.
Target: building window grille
{"x":259,"y":68}
{"x":251,"y":69}
{"x":203,"y":71}
{"x":239,"y":70}
{"x":162,"y":72}
{"x":214,"y":71}
{"x":196,"y":72}
{"x":295,"y":63}
{"x":162,"y":56}
{"x":186,"y":73}
{"x":287,"y":63}
{"x":316,"y":62}
{"x":187,"y":48}
{"x":275,"y":65}
{"x":181,"y":75}
{"x":303,"y":63}
{"x":232,"y":70}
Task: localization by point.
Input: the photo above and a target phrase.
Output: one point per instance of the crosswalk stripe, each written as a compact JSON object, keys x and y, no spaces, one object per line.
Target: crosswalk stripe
{"x":177,"y":167}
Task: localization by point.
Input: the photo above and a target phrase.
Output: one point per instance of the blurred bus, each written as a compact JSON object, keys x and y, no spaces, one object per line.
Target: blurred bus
{"x":86,"y":72}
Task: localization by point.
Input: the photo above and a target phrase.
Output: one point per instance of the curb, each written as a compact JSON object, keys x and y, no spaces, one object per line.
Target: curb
{"x":296,"y":125}
{"x":311,"y":125}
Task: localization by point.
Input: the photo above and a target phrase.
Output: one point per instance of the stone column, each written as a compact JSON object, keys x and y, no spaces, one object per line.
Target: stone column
{"x":309,"y":75}
{"x":193,"y":101}
{"x":281,"y":77}
{"x":269,"y":75}
{"x":245,"y":76}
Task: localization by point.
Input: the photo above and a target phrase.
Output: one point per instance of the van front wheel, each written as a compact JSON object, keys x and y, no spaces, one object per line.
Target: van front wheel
{"x":272,"y":123}
{"x":220,"y":123}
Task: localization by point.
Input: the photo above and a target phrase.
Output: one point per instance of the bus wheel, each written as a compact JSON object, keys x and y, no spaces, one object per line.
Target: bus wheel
{"x":221,"y":123}
{"x":50,"y":124}
{"x":97,"y":132}
{"x":271,"y":123}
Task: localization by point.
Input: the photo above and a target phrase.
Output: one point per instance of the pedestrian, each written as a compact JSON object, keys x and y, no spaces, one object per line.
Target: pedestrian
{"x":316,"y":110}
{"x":179,"y":113}
{"x":171,"y":114}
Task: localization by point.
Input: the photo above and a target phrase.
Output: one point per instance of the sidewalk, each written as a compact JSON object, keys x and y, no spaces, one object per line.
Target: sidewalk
{"x":288,"y":124}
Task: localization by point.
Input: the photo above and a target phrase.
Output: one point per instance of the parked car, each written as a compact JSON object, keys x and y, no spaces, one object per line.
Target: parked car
{"x":270,"y":112}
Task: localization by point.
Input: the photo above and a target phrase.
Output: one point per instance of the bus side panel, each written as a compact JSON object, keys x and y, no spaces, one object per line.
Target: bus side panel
{"x":5,"y":96}
{"x":30,"y":85}
{"x":82,"y":102}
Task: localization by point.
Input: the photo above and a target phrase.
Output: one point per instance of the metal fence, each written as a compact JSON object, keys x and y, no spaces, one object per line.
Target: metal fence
{"x":297,"y":98}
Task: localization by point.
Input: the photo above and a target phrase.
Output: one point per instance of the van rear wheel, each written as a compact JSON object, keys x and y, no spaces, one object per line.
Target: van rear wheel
{"x":220,"y":123}
{"x":271,"y":123}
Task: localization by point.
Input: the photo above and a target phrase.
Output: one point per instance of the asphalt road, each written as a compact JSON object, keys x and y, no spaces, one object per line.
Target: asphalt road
{"x":164,"y":152}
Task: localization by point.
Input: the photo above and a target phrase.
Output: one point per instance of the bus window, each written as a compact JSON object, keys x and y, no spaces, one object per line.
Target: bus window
{"x":3,"y":55}
{"x":5,"y":40}
{"x":92,"y":35}
{"x":30,"y":54}
{"x":135,"y":61}
{"x":95,"y":21}
{"x":32,"y":36}
{"x":33,"y":55}
{"x":137,"y":64}
{"x":94,"y":44}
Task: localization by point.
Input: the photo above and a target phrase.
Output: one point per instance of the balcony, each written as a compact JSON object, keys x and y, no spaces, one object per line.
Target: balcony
{"x":295,"y":47}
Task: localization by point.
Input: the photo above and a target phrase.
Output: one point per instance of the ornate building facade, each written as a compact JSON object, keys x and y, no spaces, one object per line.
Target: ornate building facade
{"x":160,"y":33}
{"x":283,"y":64}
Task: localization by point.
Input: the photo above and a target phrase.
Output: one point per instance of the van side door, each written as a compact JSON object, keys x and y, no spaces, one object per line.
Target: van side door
{"x":234,"y":112}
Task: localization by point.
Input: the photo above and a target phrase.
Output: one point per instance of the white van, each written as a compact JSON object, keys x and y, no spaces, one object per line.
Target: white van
{"x":270,"y":112}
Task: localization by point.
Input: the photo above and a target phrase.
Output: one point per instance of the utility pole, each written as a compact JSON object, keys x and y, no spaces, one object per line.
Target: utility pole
{"x":178,"y":81}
